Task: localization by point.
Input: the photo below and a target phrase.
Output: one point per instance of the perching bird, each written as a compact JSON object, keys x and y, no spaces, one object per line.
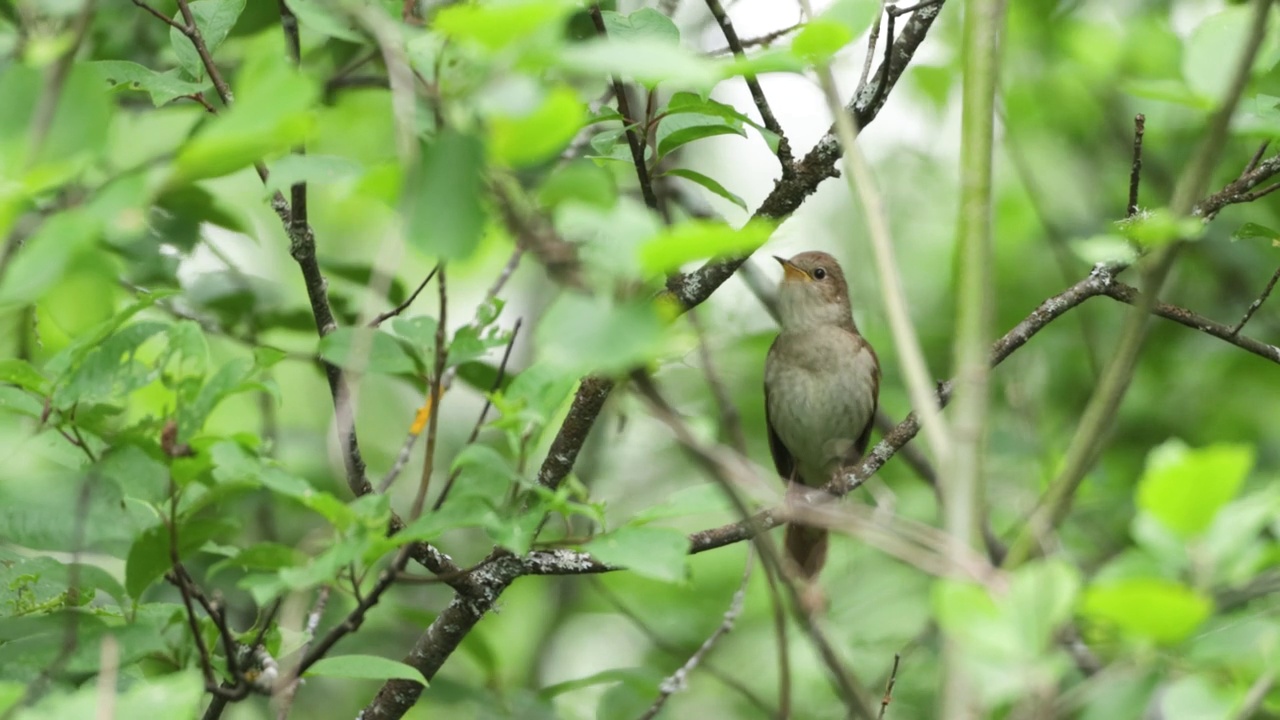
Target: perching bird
{"x":821,"y":388}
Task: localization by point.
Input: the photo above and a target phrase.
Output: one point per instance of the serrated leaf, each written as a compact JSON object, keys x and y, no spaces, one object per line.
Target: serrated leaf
{"x":709,"y":184}
{"x":364,"y":667}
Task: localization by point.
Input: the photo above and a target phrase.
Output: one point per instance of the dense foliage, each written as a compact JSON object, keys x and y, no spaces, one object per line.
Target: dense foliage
{"x":329,"y":328}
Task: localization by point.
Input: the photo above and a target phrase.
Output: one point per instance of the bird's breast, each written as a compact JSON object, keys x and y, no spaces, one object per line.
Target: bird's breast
{"x":822,"y":395}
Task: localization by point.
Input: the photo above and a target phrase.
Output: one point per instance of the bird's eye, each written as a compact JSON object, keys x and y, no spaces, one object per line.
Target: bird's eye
{"x":820,"y":273}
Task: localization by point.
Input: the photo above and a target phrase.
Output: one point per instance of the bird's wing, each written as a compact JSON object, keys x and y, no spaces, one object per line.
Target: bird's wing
{"x":860,"y":446}
{"x":783,"y":460}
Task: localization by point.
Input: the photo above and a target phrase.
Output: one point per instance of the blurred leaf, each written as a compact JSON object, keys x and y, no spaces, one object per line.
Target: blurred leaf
{"x":709,"y":184}
{"x":579,"y":181}
{"x":1147,"y":608}
{"x":582,"y":334}
{"x":442,"y":196}
{"x":645,"y":23}
{"x":162,"y":87}
{"x":368,"y":350}
{"x":174,"y":695}
{"x":700,"y":239}
{"x":109,"y":370}
{"x":501,"y":24}
{"x":1195,"y":698}
{"x":1166,"y":90}
{"x":696,"y":500}
{"x":292,"y":169}
{"x":1209,"y":54}
{"x":232,"y":377}
{"x":46,"y":254}
{"x":647,"y":60}
{"x":214,"y":18}
{"x":272,"y":113}
{"x":1105,"y":249}
{"x":659,"y":553}
{"x":540,"y":135}
{"x":1254,"y":231}
{"x":325,"y":19}
{"x":820,"y":40}
{"x":365,"y":667}
{"x":1184,"y":488}
{"x":1154,"y":228}
{"x":361,"y":273}
{"x":262,"y":556}
{"x":20,"y":373}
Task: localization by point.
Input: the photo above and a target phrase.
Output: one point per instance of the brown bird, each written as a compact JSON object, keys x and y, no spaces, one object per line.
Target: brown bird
{"x":821,"y":388}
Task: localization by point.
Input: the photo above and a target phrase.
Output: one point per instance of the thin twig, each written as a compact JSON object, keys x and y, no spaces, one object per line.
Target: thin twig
{"x":433,"y":400}
{"x":1253,"y":307}
{"x":679,"y":680}
{"x":484,"y":412}
{"x":872,"y":39}
{"x":766,"y":40}
{"x":408,"y":301}
{"x":888,"y":689}
{"x":287,"y":689}
{"x":634,"y":141}
{"x":1135,"y":173}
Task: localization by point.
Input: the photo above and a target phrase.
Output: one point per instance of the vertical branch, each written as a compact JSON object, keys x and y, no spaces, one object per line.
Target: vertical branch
{"x":962,"y":495}
{"x":1135,"y":173}
{"x":433,"y":402}
{"x":628,"y":122}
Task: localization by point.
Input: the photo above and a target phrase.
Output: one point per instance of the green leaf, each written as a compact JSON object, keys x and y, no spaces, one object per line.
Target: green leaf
{"x":659,"y":553}
{"x":262,"y":556}
{"x":648,"y":61}
{"x":820,"y":40}
{"x":1209,"y":54}
{"x":109,"y":370}
{"x":365,"y":667}
{"x":698,"y":239}
{"x":581,"y":334}
{"x":682,"y":129}
{"x":442,"y":197}
{"x":578,"y":181}
{"x":175,"y":695}
{"x":646,"y":23}
{"x":46,"y":254}
{"x":20,"y":373}
{"x":540,"y":135}
{"x":162,"y":87}
{"x":695,"y":500}
{"x":1147,"y":608}
{"x":1185,"y":488}
{"x":1167,"y":90}
{"x":367,"y":350}
{"x":1105,"y":249}
{"x":149,"y":557}
{"x":292,"y":169}
{"x":496,"y":26}
{"x":214,"y":18}
{"x":709,"y":184}
{"x":272,"y":113}
{"x":231,"y":378}
{"x":321,"y":17}
{"x":1254,"y":231}
{"x":1160,"y":227}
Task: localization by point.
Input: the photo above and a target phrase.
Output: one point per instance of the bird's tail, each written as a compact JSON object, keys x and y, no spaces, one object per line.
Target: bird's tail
{"x":807,"y":548}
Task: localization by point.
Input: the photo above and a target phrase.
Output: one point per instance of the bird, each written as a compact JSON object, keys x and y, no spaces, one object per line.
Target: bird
{"x":821,"y":388}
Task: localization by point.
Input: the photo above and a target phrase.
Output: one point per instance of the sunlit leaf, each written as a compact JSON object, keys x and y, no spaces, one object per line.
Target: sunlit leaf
{"x":1185,"y":487}
{"x":699,"y":239}
{"x":709,"y":184}
{"x":364,"y":667}
{"x":1147,"y":608}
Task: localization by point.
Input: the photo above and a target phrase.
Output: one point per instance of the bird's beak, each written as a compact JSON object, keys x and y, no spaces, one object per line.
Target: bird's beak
{"x":791,"y":272}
